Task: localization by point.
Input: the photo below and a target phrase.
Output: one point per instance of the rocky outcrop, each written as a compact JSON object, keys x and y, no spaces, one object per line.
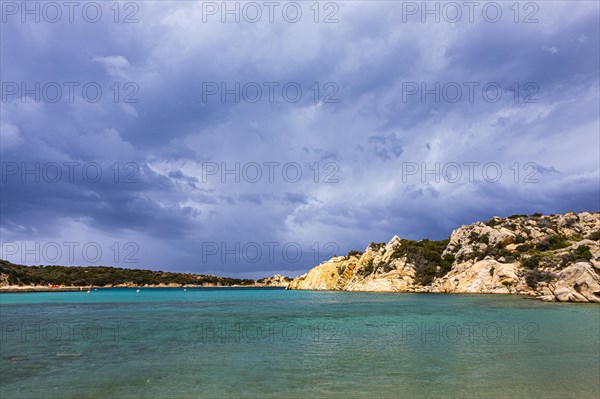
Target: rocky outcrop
{"x":577,"y":283}
{"x":276,"y":281}
{"x":487,"y":276}
{"x":374,"y":270}
{"x":555,"y":257}
{"x":322,"y":277}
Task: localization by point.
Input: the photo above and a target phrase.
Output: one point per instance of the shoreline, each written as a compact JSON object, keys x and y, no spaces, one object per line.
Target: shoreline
{"x":29,"y":289}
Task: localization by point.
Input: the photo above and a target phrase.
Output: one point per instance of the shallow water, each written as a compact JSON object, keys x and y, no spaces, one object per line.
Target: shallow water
{"x":167,"y":343}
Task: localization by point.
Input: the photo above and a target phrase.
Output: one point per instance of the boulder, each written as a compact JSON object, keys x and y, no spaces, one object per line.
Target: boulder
{"x":577,"y":283}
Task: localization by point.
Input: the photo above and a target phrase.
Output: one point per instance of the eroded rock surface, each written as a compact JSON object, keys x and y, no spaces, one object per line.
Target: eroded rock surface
{"x":555,"y":257}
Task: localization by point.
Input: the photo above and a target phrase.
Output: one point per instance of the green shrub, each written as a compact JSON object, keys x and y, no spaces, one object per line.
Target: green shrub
{"x":497,"y":251}
{"x":533,"y":277}
{"x":552,"y":242}
{"x":517,"y":216}
{"x":446,"y":265}
{"x":523,"y":247}
{"x":545,"y":223}
{"x":478,"y":255}
{"x":354,"y":253}
{"x":519,"y":239}
{"x":530,"y":262}
{"x":386,"y":267}
{"x":582,"y":252}
{"x":366,"y":269}
{"x":492,"y":222}
{"x":427,"y":257}
{"x":595,"y":236}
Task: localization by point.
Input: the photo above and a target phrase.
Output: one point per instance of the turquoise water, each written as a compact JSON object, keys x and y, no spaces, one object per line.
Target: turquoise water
{"x":266,"y":343}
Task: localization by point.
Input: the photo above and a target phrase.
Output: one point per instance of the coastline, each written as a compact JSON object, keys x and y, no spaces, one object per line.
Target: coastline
{"x":523,"y":295}
{"x":17,"y":289}
{"x":550,"y":258}
{"x":29,"y":289}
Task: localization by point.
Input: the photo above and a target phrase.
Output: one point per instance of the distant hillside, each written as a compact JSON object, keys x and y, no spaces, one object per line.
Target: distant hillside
{"x":554,"y":257}
{"x":102,"y":276}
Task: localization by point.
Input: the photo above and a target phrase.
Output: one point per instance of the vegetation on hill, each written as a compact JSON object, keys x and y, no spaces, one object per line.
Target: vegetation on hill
{"x":428,"y":258}
{"x":554,"y":257}
{"x":101,"y":276}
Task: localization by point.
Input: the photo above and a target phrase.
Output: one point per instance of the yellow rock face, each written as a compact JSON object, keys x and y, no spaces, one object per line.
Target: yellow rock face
{"x":487,"y":259}
{"x":322,"y":277}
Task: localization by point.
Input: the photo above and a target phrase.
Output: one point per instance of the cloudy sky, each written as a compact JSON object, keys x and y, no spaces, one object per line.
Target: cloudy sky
{"x":261,"y":138}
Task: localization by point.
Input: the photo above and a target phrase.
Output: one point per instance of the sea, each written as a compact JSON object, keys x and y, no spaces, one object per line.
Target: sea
{"x":275,"y":343}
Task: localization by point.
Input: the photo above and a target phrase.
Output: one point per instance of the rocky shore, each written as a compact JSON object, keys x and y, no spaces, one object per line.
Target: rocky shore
{"x":553,"y":258}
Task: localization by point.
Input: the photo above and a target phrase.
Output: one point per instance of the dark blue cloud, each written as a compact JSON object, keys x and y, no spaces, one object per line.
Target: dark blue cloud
{"x":356,"y":156}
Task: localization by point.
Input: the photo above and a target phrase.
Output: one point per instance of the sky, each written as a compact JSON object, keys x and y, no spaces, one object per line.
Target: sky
{"x":252,"y":138}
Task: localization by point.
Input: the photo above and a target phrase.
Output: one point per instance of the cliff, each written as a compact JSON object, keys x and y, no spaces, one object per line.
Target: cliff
{"x":554,"y":258}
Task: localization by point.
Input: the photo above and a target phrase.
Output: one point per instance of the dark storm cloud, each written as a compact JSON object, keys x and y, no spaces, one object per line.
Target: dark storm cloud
{"x":355,"y":155}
